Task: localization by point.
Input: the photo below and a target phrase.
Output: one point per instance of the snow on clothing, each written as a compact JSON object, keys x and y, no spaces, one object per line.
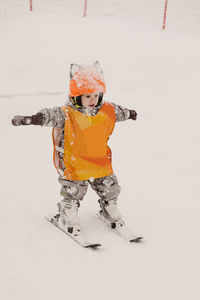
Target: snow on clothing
{"x":86,"y":153}
{"x":86,"y":80}
{"x":55,"y":117}
{"x":107,"y":187}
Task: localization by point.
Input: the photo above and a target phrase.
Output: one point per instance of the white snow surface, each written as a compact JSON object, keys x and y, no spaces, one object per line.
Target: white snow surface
{"x":156,"y":160}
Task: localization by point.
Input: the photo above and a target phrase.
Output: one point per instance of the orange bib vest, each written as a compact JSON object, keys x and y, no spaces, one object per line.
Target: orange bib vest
{"x":86,"y":153}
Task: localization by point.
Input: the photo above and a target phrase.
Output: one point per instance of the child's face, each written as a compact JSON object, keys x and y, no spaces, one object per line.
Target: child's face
{"x":90,"y":100}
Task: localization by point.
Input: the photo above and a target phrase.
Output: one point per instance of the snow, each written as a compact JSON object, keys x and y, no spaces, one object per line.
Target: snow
{"x":156,"y":160}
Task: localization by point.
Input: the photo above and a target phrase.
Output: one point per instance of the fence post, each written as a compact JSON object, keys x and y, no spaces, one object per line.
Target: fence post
{"x":85,"y":9}
{"x":31,"y":5}
{"x":165,"y":14}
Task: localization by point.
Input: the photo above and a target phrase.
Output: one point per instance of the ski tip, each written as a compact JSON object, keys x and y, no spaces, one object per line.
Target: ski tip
{"x":48,"y":218}
{"x":136,"y":240}
{"x":93,"y":246}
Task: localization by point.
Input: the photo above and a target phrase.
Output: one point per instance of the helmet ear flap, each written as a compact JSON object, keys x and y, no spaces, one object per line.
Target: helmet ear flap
{"x":76,"y":101}
{"x":73,"y":100}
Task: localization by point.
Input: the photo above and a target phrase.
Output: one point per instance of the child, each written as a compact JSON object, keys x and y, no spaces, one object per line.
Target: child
{"x":81,"y":130}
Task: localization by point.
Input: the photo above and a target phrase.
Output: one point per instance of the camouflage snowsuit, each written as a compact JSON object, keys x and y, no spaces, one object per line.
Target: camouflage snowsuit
{"x":107,"y":187}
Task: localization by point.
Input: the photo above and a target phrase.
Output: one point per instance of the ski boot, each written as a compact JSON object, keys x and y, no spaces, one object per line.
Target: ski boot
{"x":67,"y":218}
{"x":110,"y":214}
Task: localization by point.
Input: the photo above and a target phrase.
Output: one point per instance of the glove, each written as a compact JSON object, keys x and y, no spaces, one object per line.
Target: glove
{"x":28,"y":120}
{"x":133,"y":115}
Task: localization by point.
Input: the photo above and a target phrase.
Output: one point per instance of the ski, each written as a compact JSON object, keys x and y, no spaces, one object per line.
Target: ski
{"x":121,"y":229}
{"x":78,"y":237}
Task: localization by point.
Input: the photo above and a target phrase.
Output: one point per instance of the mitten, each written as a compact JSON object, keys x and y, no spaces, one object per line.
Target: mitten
{"x":133,"y":115}
{"x":28,"y":120}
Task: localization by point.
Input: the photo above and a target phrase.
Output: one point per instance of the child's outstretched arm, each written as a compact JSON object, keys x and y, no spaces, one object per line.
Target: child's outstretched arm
{"x":123,"y":114}
{"x":51,"y":117}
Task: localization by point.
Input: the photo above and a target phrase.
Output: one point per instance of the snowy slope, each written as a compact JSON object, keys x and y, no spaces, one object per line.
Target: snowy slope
{"x":155,"y":158}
